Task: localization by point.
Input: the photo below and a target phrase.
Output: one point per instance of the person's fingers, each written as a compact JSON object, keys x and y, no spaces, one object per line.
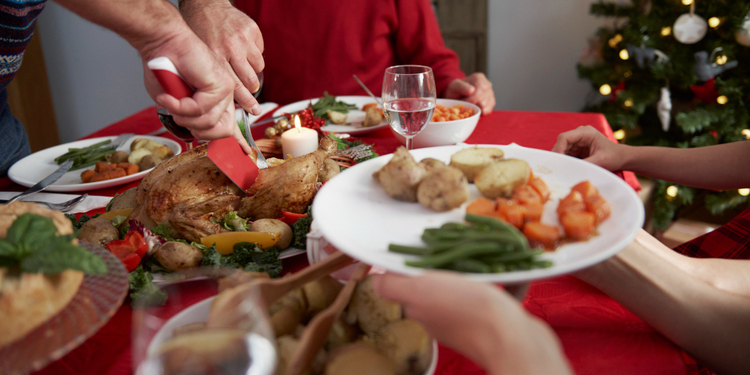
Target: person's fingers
{"x":246,"y":82}
{"x":393,"y":287}
{"x":458,"y":89}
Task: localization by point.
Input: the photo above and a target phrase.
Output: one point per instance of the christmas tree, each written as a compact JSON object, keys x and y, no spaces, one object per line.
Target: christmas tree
{"x":674,"y":73}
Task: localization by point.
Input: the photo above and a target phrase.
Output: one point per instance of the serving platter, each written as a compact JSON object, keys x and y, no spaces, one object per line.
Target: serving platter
{"x":356,"y":216}
{"x":352,"y":129}
{"x":96,"y":300}
{"x":33,"y":168}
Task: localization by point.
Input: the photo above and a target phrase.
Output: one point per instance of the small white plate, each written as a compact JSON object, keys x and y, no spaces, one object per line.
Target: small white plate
{"x":352,"y":129}
{"x":382,"y":220}
{"x":33,"y":168}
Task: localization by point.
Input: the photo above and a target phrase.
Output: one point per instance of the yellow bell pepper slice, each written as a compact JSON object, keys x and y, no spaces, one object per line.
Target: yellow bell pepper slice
{"x":112,"y":214}
{"x":225,"y":241}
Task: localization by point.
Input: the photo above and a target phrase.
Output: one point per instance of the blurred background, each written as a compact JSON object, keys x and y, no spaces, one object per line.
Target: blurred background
{"x":528,"y":49}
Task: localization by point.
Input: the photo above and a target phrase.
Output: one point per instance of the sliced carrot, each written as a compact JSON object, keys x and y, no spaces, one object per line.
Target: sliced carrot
{"x":542,"y":234}
{"x":108,"y":175}
{"x":102,"y":166}
{"x":526,"y":194}
{"x":541,"y":187}
{"x":532,"y":211}
{"x":573,"y":202}
{"x":87,"y":174}
{"x":511,"y":212}
{"x":129,"y":168}
{"x":586,"y":189}
{"x":578,"y":225}
{"x":481,"y":206}
{"x":599,"y":207}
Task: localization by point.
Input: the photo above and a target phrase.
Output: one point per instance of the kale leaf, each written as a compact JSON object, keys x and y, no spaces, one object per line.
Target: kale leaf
{"x":247,"y":256}
{"x":300,"y":229}
{"x":143,"y":291}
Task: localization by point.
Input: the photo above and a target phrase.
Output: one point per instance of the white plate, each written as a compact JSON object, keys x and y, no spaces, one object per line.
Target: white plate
{"x":33,"y":168}
{"x":199,"y":313}
{"x":353,"y":129}
{"x":381,"y":220}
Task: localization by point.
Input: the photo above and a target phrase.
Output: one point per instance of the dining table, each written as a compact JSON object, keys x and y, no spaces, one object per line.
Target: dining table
{"x":598,"y":335}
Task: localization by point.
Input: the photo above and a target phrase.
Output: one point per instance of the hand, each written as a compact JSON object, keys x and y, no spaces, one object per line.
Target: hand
{"x":209,"y":113}
{"x":589,"y":144}
{"x":479,"y":320}
{"x":475,"y":89}
{"x":236,"y":40}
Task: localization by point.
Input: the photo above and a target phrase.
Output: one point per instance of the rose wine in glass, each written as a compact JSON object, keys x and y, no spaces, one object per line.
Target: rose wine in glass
{"x":178,"y":131}
{"x":409,"y":97}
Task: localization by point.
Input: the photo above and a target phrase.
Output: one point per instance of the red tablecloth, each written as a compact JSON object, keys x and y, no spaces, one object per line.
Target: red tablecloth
{"x":599,"y":336}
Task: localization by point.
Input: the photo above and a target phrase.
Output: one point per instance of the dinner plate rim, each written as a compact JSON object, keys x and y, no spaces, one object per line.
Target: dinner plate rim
{"x":335,"y":237}
{"x":15,"y":174}
{"x":354,"y":131}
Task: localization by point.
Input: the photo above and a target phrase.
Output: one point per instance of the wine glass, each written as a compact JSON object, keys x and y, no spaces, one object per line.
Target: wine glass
{"x":409,"y":97}
{"x":198,"y":331}
{"x":260,"y":80}
{"x":178,"y":131}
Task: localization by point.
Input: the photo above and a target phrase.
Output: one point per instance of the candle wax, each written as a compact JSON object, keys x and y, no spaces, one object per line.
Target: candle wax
{"x":299,"y":141}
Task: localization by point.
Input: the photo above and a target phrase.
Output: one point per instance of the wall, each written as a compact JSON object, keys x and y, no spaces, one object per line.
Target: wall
{"x":96,"y":77}
{"x":533,"y":50}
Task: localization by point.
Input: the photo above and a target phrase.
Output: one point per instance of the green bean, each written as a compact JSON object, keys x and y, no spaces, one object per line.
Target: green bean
{"x":463,"y":251}
{"x":541,"y":264}
{"x":513,"y":256}
{"x":454,"y":227}
{"x":470,"y":265}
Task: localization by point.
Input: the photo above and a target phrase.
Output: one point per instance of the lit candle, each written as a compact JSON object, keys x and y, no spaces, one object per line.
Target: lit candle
{"x":299,"y":141}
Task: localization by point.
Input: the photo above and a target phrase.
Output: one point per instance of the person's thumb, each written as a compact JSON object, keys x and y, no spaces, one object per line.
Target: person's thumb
{"x":459,"y":88}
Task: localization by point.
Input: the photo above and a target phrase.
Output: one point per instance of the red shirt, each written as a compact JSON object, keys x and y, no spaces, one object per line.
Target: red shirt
{"x":316,"y":46}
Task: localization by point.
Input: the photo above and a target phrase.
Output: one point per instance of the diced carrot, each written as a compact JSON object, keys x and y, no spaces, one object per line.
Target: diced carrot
{"x":87,"y":174}
{"x":532,"y":211}
{"x":129,"y":168}
{"x":511,"y":212}
{"x":526,"y":194}
{"x":542,"y":234}
{"x":573,"y":202}
{"x":454,"y":110}
{"x":578,"y":225}
{"x":102,"y":166}
{"x":108,"y":175}
{"x":586,"y":189}
{"x":369,"y":105}
{"x":541,"y":187}
{"x":599,"y":207}
{"x":481,"y":206}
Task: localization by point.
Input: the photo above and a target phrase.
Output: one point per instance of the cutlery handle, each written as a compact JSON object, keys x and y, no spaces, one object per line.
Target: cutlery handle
{"x":47,"y":181}
{"x":169,"y":78}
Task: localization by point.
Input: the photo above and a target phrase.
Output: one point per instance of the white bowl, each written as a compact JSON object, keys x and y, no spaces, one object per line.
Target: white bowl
{"x":448,"y":132}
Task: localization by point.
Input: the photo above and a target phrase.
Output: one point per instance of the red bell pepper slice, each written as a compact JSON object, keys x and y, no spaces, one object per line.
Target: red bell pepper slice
{"x":290,"y":217}
{"x":130,"y":250}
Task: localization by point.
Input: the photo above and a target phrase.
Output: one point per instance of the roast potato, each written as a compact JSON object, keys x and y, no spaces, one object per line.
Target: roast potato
{"x":117,"y":157}
{"x":98,"y":231}
{"x":501,"y":178}
{"x":321,"y":293}
{"x":138,"y":154}
{"x":431,"y":164}
{"x":406,"y":343}
{"x":176,"y":256}
{"x":329,"y":170}
{"x":373,"y":117}
{"x":369,"y":311}
{"x":472,"y":160}
{"x":401,"y":176}
{"x":148,"y":161}
{"x":125,"y":200}
{"x":274,"y":226}
{"x":359,"y":358}
{"x":341,"y":334}
{"x":444,"y":189}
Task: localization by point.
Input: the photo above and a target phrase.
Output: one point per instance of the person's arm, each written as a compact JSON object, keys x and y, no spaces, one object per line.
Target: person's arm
{"x":475,"y":89}
{"x":479,"y":320}
{"x":716,"y":167}
{"x":709,"y":322}
{"x":235,"y":38}
{"x":155,"y":28}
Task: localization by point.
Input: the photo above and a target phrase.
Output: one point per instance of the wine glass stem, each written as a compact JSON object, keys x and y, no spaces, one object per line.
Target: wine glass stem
{"x":409,"y":143}
{"x":189,"y":145}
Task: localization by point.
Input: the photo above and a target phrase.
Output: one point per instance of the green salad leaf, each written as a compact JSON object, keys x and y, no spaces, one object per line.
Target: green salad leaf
{"x":329,"y":102}
{"x":300,"y":229}
{"x":143,"y":291}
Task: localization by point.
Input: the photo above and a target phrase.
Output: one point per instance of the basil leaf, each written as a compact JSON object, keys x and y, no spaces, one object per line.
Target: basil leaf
{"x":58,"y":256}
{"x":31,"y":232}
{"x":8,"y":250}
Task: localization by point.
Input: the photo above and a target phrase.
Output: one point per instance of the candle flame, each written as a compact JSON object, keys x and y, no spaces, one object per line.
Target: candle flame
{"x":297,"y":124}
